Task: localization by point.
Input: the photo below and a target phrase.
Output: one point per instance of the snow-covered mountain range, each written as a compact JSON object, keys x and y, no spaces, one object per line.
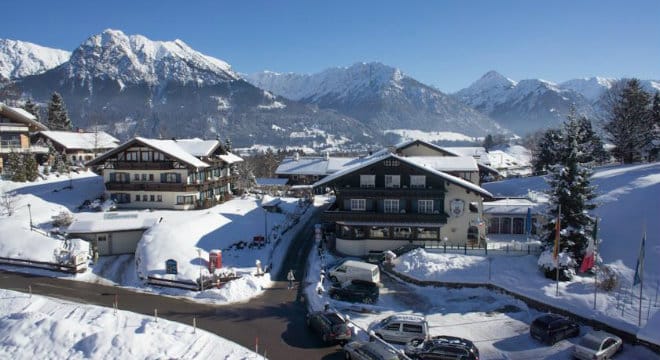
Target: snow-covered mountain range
{"x":534,"y":104}
{"x":380,"y":96}
{"x":20,"y":58}
{"x":132,"y":85}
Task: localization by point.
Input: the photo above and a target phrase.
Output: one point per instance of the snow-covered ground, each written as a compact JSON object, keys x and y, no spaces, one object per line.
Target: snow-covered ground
{"x":54,"y":329}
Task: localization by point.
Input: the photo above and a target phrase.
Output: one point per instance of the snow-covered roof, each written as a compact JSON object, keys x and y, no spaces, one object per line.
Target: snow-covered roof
{"x":312,"y":165}
{"x":384,"y":155}
{"x":510,"y":206}
{"x":474,"y":151}
{"x":197,"y":146}
{"x":230,"y":158}
{"x":82,"y":140}
{"x":85,"y":223}
{"x":169,"y":147}
{"x":271,"y":181}
{"x":447,"y":163}
{"x":21,"y":116}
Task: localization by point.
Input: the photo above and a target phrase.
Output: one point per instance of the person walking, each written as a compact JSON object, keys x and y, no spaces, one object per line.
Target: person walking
{"x":291,"y":278}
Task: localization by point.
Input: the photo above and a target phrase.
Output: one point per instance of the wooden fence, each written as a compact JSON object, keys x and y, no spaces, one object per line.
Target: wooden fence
{"x":67,"y":268}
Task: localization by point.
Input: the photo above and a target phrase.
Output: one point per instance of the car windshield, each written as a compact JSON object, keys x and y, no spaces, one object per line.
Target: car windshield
{"x":590,"y":343}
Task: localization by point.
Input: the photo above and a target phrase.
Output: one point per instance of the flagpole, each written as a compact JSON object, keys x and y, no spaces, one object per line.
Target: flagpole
{"x":641,"y":277}
{"x":595,"y":262}
{"x":557,"y":241}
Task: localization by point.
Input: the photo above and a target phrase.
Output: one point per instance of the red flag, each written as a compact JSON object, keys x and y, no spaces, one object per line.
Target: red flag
{"x":589,"y":256}
{"x":555,"y":253}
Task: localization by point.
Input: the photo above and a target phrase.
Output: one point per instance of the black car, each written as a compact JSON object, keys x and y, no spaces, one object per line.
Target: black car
{"x":442,"y":347}
{"x":330,"y":325}
{"x":551,"y":328}
{"x":355,"y":291}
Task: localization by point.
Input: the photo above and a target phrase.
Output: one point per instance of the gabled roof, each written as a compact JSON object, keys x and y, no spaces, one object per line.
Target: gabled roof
{"x":21,"y":116}
{"x":230,"y":158}
{"x":312,"y":165}
{"x":382,"y":156}
{"x":198,"y":147}
{"x":82,"y":140}
{"x":409,"y":143}
{"x":169,"y":147}
{"x":447,"y":163}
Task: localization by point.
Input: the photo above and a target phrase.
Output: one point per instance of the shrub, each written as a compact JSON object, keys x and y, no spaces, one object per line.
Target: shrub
{"x":608,"y":279}
{"x":64,"y":218}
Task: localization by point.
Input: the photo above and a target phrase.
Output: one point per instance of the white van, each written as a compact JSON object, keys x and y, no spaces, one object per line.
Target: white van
{"x":354,"y":270}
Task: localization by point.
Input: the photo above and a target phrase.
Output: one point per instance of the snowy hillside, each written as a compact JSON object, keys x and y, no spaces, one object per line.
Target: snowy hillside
{"x":135,"y":59}
{"x":20,"y":58}
{"x":66,"y":330}
{"x":381,"y":97}
{"x":593,"y":88}
{"x":627,"y":203}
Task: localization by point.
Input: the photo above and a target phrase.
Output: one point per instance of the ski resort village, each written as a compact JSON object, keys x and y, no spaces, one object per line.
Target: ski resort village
{"x":158,"y":203}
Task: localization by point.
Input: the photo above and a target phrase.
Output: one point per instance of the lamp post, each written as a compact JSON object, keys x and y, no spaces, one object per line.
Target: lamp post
{"x":266,"y":226}
{"x":445,"y":240}
{"x":30,"y":214}
{"x":201,"y":281}
{"x":490,"y":261}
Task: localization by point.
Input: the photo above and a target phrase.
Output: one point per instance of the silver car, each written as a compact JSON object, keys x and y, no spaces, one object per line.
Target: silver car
{"x":402,"y":328}
{"x":597,"y":345}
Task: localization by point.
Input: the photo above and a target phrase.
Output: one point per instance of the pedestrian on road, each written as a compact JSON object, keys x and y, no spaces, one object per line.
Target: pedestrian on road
{"x":291,"y":278}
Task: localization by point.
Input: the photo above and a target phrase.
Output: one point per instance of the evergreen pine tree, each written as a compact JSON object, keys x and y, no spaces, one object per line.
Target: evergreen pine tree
{"x":654,"y":153}
{"x":270,"y":162}
{"x":31,"y":167}
{"x":58,"y":118}
{"x":488,"y":142}
{"x":32,"y":108}
{"x":571,"y":188}
{"x":629,"y":126}
{"x":590,"y":145}
{"x":546,"y":151}
{"x":17,"y":167}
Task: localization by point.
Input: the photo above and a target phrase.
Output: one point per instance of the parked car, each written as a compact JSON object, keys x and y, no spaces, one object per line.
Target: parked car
{"x":442,"y":347}
{"x":551,"y":328}
{"x":597,"y":345}
{"x":353,"y":269}
{"x":330,"y":325}
{"x":369,"y":350}
{"x":355,"y":291}
{"x":402,"y":328}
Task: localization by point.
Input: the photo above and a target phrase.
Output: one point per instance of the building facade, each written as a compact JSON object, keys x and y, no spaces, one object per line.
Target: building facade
{"x":387,"y":200}
{"x":168,"y":174}
{"x":15,"y":127}
{"x":77,"y":147}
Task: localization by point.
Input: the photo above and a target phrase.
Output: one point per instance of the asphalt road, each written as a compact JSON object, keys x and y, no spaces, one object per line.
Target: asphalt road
{"x":276,"y":318}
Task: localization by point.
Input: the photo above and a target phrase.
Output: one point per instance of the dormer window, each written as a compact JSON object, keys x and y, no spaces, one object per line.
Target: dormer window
{"x":367,"y":181}
{"x":392,"y":181}
{"x":417,"y":181}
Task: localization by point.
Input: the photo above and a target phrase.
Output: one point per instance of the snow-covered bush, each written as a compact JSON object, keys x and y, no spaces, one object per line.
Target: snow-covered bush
{"x":608,"y":279}
{"x":64,"y":218}
{"x":547,"y":265}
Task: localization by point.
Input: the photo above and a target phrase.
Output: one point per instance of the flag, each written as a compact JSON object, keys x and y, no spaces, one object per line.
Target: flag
{"x":590,"y":252}
{"x":555,"y":253}
{"x":639,"y":268}
{"x":528,"y":222}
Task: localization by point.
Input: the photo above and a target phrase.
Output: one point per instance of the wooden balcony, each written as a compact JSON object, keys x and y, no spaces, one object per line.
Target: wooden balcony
{"x":390,"y":192}
{"x":375,"y":217}
{"x":171,"y":187}
{"x":137,"y":165}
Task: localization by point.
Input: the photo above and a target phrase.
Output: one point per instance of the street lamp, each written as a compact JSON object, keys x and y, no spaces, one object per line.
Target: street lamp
{"x":445,"y":240}
{"x":266,"y":225}
{"x":30,"y":213}
{"x":201,"y":281}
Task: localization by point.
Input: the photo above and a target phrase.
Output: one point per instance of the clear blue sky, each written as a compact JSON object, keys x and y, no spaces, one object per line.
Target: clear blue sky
{"x":447,"y":44}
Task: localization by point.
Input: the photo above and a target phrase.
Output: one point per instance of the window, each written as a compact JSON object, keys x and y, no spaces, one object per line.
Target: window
{"x":151,"y":177}
{"x":137,"y":197}
{"x":120,"y":177}
{"x":145,"y":198}
{"x":131,"y":156}
{"x":391,"y":205}
{"x":494,"y":227}
{"x":144,"y":177}
{"x":506,"y":226}
{"x":391,"y":162}
{"x":358,"y":204}
{"x":425,"y":206}
{"x":152,"y":197}
{"x":170,"y":178}
{"x":379,"y":232}
{"x":367,"y":181}
{"x":417,"y":181}
{"x":121,"y":198}
{"x":184,"y":199}
{"x":427,"y":233}
{"x":136,"y":177}
{"x":392,"y":181}
{"x":412,"y":328}
{"x":393,"y":327}
{"x":518,"y":225}
{"x":159,"y":198}
{"x":158,"y":156}
{"x":146,"y":155}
